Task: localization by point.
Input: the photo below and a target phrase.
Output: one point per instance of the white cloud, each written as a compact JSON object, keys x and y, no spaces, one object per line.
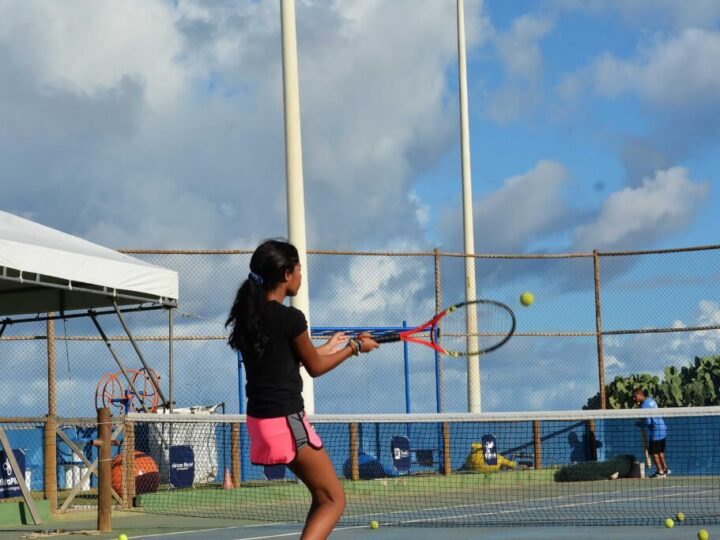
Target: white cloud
{"x":634,"y":217}
{"x":87,"y":46}
{"x":523,"y":209}
{"x":651,"y":353}
{"x":522,"y":61}
{"x":677,"y":72}
{"x":160,"y":123}
{"x":708,"y":314}
{"x":518,"y":48}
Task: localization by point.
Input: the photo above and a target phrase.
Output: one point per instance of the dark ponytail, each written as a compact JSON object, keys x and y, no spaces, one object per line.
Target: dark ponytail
{"x":268,"y":265}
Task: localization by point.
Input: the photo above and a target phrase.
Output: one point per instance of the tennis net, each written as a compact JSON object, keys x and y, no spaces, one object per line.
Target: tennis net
{"x":538,"y":468}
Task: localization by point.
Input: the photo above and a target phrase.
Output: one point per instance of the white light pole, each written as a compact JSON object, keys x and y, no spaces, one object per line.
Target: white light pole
{"x":473,"y":366}
{"x":294,"y":170}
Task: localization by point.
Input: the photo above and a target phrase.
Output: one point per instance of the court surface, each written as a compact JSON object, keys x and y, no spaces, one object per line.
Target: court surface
{"x":161,"y":527}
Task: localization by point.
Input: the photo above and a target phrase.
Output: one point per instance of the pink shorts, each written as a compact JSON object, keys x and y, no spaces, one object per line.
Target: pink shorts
{"x":278,"y":440}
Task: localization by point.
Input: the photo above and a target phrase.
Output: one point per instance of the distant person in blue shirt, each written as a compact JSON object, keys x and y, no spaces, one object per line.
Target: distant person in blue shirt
{"x":657,"y":432}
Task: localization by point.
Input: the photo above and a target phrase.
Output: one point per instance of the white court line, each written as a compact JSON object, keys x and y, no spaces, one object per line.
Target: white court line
{"x":338,"y":529}
{"x":541,"y":500}
{"x":182,"y":532}
{"x":527,"y":509}
{"x":252,"y":526}
{"x":297,"y":533}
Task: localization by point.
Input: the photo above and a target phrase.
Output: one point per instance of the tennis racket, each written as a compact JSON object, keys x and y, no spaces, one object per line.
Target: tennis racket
{"x":495,"y":326}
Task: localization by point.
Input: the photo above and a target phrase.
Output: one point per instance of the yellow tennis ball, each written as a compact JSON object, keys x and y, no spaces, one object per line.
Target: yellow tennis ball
{"x":669,"y":523}
{"x":527,"y":298}
{"x":703,"y":534}
{"x":680,"y":516}
{"x":123,"y":537}
{"x":374,"y":524}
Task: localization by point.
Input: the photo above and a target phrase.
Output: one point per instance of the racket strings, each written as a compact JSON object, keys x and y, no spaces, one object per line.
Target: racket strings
{"x":475,"y":328}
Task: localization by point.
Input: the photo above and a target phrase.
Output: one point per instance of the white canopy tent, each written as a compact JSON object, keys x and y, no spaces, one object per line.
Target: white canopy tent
{"x":45,"y":270}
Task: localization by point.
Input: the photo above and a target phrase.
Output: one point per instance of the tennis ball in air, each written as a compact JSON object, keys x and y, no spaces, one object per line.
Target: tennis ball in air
{"x":703,"y":534}
{"x":669,"y":523}
{"x":374,"y":524}
{"x":123,"y":537}
{"x":680,"y":516}
{"x":527,"y":298}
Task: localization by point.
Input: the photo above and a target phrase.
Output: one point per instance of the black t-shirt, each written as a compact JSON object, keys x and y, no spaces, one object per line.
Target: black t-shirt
{"x":274,"y":386}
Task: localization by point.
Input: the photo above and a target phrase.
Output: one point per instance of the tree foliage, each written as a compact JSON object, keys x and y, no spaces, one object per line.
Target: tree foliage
{"x":693,"y":385}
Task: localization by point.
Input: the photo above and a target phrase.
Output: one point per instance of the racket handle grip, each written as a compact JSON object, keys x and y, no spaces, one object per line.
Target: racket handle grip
{"x":387,"y":338}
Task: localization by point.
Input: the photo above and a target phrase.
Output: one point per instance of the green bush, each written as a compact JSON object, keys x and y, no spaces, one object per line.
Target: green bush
{"x":693,"y":385}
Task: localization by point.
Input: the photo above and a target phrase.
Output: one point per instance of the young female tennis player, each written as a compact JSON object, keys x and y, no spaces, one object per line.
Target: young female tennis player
{"x":274,"y":341}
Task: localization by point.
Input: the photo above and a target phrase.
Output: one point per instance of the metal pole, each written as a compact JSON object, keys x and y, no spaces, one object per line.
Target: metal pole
{"x":50,"y":345}
{"x":104,"y":516}
{"x":294,"y":171}
{"x":473,"y":365}
{"x":439,"y":372}
{"x":171,"y":398}
{"x":244,"y":464}
{"x":49,"y":440}
{"x":118,"y":361}
{"x":150,"y":372}
{"x":598,"y":328}
{"x":406,"y":367}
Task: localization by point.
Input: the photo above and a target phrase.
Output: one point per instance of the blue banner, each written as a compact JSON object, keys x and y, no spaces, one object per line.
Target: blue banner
{"x":9,"y":486}
{"x":182,"y":467}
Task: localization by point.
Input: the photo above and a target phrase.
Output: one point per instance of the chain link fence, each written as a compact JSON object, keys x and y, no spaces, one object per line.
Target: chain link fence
{"x":654,"y":309}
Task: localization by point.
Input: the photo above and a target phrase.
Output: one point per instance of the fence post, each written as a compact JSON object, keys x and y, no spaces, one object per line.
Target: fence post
{"x":235,"y":462}
{"x":537,"y":444}
{"x":50,"y":462}
{"x":354,"y":452}
{"x":104,"y":516}
{"x":598,"y":328}
{"x":128,"y":465}
{"x":50,"y":436}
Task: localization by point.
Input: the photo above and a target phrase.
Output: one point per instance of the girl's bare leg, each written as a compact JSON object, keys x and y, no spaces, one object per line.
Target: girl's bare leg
{"x":316,"y":471}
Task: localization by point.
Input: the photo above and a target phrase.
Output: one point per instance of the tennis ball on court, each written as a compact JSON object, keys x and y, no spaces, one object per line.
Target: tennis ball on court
{"x":374,"y":524}
{"x":669,"y":523}
{"x":527,"y":298}
{"x":703,"y":534}
{"x":680,"y":516}
{"x":123,"y":537}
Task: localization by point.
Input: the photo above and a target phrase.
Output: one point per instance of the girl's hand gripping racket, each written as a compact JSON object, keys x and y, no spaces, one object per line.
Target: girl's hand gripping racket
{"x":495,"y":324}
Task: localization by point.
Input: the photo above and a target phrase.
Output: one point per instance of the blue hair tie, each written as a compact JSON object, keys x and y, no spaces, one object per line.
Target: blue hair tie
{"x":257,"y":278}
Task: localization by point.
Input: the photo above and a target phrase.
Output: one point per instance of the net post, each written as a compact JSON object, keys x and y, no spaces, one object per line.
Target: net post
{"x":235,"y":454}
{"x":537,"y":445}
{"x":50,"y":462}
{"x":104,"y":516}
{"x":447,"y":461}
{"x":128,"y":464}
{"x":354,"y":452}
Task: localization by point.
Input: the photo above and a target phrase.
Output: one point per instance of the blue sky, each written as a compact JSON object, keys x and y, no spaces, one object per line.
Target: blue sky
{"x":158,"y":124}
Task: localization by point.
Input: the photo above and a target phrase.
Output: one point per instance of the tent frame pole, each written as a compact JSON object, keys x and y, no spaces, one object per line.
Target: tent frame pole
{"x":150,"y":372}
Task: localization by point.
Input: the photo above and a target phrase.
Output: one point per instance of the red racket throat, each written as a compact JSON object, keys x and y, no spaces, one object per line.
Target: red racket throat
{"x":447,"y":332}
